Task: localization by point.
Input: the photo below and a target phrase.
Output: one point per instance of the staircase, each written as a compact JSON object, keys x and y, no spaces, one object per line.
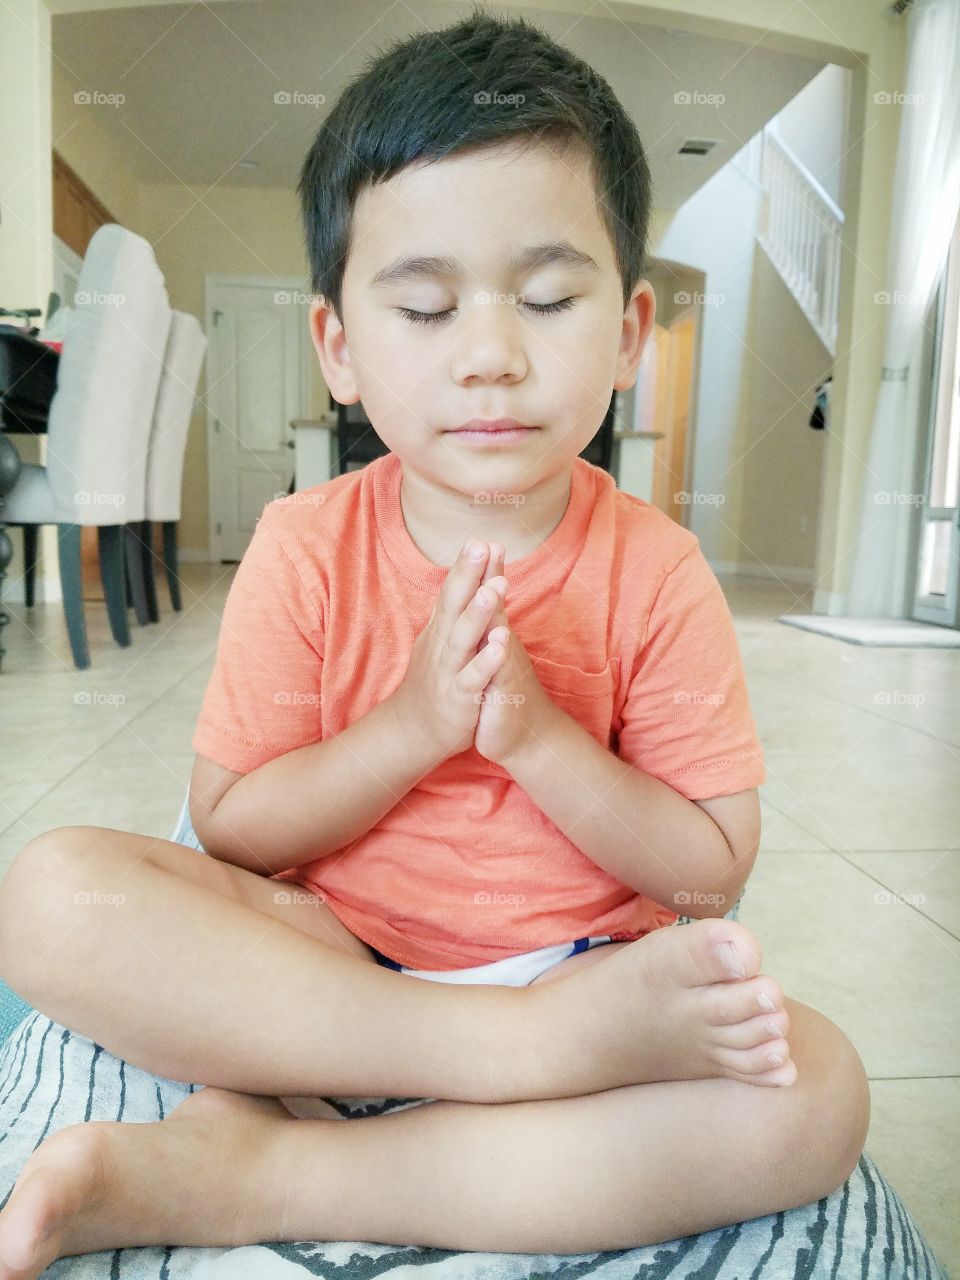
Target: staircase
{"x":802,"y":229}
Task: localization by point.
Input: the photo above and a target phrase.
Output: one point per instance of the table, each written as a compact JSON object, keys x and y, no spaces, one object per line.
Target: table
{"x":28,"y":380}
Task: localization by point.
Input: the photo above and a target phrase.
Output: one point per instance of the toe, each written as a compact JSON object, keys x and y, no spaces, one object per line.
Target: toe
{"x":762,"y":1057}
{"x":754,"y":1031}
{"x":700,"y":952}
{"x":785,"y":1075}
{"x":708,"y":951}
{"x":726,"y":1003}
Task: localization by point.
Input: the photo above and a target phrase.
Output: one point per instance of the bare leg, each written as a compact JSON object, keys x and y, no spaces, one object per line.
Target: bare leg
{"x":614,"y":1170}
{"x":195,"y":985}
{"x":210,"y":990}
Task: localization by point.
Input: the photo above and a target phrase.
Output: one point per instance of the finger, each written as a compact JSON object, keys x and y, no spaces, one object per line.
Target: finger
{"x":460,"y":584}
{"x":482,"y":668}
{"x":495,"y":562}
{"x":471,"y":627}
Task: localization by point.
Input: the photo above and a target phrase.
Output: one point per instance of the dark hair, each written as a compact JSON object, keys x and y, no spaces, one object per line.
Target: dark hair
{"x":423,"y":99}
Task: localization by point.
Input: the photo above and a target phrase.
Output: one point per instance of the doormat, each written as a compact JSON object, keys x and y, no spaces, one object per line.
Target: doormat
{"x":890,"y":632}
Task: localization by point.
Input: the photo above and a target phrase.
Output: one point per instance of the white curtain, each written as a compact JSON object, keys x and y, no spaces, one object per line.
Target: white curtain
{"x":926,"y":199}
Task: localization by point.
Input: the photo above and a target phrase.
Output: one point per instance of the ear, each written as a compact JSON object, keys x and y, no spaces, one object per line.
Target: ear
{"x":638,"y":320}
{"x":330,"y":343}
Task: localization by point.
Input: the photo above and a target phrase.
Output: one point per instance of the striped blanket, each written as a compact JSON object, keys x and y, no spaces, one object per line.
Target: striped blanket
{"x":51,"y":1077}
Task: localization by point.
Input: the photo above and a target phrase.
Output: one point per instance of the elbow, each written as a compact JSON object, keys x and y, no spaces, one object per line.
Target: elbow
{"x":209,"y":830}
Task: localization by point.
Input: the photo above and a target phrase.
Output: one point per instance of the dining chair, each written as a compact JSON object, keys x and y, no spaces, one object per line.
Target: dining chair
{"x":99,"y":424}
{"x":182,"y":361}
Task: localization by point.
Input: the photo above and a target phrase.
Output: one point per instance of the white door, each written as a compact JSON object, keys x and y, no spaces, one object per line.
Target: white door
{"x":258,"y":374}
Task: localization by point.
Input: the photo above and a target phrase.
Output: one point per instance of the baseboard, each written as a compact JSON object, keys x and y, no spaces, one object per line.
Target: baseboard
{"x":768,"y":572}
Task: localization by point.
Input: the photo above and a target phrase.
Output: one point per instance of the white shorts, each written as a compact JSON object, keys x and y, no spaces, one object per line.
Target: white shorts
{"x":512,"y":971}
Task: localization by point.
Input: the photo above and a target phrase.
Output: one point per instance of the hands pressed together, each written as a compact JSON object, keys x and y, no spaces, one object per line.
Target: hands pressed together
{"x":469,"y":679}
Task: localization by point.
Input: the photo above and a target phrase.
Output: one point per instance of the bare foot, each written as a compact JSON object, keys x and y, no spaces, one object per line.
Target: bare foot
{"x":189,"y":1179}
{"x":666,"y":1007}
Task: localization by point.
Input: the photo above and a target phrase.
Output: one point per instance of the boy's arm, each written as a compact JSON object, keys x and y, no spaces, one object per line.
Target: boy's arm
{"x":312,"y":800}
{"x":691,"y":856}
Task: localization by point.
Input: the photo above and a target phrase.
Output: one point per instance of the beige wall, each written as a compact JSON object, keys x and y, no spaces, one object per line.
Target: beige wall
{"x":193,"y":230}
{"x":782,"y":456}
{"x":106,"y":159}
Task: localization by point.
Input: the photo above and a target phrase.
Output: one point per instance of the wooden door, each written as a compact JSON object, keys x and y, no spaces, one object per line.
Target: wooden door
{"x":676,"y":347}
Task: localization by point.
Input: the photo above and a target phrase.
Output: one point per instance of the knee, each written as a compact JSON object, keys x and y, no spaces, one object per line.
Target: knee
{"x":833,"y":1111}
{"x":33,"y":885}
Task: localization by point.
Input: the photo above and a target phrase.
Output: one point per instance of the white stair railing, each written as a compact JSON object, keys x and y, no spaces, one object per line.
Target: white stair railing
{"x":802,"y":236}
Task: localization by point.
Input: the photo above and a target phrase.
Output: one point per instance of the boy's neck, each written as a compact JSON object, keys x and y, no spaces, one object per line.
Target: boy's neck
{"x":439,"y":519}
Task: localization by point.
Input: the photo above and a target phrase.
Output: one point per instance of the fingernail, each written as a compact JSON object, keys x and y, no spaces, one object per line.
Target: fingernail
{"x":730,"y":958}
{"x":475,"y":551}
{"x":775,"y":1059}
{"x":774,"y":1030}
{"x":764,"y":1001}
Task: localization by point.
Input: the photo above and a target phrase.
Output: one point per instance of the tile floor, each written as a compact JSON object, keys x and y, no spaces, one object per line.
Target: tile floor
{"x":855,"y":896}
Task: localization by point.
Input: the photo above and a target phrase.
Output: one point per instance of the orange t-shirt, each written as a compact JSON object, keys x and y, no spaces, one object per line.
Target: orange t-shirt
{"x":627,"y":629}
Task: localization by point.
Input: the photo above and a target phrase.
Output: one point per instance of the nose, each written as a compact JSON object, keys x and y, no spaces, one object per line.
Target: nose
{"x":489,"y":345}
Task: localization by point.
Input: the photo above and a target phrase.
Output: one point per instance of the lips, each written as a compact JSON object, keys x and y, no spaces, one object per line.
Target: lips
{"x":494,"y":424}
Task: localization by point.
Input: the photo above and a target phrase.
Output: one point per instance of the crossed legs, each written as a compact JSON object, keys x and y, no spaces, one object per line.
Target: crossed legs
{"x":613,"y":1168}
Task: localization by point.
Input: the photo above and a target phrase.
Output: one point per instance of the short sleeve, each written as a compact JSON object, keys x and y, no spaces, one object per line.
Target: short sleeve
{"x":263,"y":696}
{"x":686,"y":718}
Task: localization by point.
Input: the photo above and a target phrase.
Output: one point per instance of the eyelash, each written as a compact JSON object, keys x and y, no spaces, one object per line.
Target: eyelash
{"x":434,"y":317}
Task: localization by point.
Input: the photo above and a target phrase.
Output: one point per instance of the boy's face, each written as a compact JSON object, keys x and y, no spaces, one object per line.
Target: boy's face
{"x":493,"y":355}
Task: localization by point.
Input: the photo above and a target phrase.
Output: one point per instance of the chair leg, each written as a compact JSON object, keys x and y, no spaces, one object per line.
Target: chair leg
{"x":146,"y":560}
{"x":134,"y":563}
{"x":110,"y":546}
{"x":170,"y":562}
{"x":71,"y":584}
{"x":29,"y":562}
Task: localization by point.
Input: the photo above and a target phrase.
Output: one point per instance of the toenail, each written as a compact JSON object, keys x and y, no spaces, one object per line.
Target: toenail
{"x":775,"y":1059}
{"x":764,"y":1001}
{"x":774,"y":1030}
{"x":730,"y":957}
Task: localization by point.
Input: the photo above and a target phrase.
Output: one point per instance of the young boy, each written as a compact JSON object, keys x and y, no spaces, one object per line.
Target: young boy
{"x":501,"y":774}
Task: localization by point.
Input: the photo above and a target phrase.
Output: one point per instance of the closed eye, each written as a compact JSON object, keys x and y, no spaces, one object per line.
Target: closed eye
{"x":434,"y":317}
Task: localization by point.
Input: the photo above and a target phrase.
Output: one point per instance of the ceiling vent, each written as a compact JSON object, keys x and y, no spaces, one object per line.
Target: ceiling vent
{"x":697,"y":147}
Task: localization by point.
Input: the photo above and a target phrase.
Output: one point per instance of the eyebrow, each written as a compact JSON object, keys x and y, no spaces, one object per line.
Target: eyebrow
{"x":522,"y":258}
